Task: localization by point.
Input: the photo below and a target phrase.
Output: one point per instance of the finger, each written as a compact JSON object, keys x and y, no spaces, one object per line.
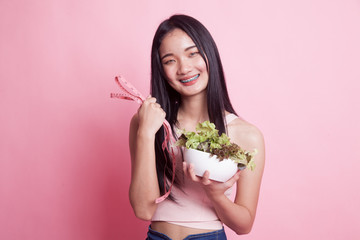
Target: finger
{"x":150,"y":100}
{"x":205,"y":179}
{"x":192,"y":173}
{"x":185,"y":169}
{"x":233,"y":179}
{"x":156,"y":105}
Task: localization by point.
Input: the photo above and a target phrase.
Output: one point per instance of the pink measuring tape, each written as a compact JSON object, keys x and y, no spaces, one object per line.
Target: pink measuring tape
{"x":129,"y":92}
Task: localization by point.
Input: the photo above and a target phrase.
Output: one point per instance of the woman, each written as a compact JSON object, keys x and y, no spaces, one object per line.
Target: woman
{"x":188,"y":87}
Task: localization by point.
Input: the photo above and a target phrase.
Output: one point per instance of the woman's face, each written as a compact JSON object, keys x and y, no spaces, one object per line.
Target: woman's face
{"x":184,"y":67}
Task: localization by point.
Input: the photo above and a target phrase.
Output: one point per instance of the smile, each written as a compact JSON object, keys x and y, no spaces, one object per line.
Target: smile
{"x":190,"y":79}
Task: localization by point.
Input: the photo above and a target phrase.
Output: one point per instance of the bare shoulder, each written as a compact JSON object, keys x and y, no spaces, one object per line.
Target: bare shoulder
{"x":245,"y":134}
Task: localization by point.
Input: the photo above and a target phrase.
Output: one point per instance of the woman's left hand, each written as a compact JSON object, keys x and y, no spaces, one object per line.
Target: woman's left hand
{"x":213,"y":189}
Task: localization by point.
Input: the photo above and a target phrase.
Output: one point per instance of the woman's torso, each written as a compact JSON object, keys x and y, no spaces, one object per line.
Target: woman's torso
{"x":178,"y":229}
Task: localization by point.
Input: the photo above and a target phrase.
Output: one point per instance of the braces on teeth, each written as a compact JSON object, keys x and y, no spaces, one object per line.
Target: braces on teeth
{"x":191,"y":79}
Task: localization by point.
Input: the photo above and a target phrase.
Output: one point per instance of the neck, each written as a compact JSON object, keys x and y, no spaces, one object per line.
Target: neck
{"x":192,"y":111}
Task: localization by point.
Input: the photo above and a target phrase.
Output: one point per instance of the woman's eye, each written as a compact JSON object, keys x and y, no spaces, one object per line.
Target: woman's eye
{"x":194,"y":54}
{"x":169,"y":61}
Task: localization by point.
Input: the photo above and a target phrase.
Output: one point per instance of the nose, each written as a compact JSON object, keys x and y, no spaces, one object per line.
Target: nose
{"x":184,"y":67}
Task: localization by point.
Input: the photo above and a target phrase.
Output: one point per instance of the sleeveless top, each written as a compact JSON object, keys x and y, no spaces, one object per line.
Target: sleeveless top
{"x":192,"y":207}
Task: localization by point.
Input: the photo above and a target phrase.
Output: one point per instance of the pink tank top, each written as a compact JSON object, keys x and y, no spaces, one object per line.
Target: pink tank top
{"x":193,"y":208}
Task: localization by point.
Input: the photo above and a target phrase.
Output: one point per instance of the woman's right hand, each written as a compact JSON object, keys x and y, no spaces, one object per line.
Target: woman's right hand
{"x":144,"y":187}
{"x":151,"y":116}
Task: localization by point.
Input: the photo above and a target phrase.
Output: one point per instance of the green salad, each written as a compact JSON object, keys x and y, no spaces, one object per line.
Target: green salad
{"x":207,"y":139}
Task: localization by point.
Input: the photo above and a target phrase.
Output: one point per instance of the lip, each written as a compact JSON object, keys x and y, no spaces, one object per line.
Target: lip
{"x":190,"y":80}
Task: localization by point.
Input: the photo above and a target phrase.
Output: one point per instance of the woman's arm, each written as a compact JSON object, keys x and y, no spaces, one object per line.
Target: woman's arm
{"x":240,"y":214}
{"x":144,"y":187}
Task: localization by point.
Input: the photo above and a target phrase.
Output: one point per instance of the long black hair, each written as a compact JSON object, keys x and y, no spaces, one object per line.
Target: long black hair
{"x":217,"y":96}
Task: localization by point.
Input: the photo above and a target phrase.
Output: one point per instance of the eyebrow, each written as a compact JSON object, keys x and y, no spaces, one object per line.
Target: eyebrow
{"x":171,"y":54}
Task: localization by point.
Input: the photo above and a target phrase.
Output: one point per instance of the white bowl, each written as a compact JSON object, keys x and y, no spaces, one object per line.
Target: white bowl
{"x":220,"y":171}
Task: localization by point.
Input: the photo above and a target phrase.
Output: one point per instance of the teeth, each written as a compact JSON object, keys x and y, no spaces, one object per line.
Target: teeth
{"x":190,"y":79}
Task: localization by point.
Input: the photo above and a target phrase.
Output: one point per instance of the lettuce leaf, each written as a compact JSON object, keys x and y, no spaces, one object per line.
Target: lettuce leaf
{"x":207,"y":139}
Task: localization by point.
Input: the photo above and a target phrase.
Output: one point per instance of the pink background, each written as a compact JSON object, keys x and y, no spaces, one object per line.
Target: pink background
{"x":292,"y":67}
